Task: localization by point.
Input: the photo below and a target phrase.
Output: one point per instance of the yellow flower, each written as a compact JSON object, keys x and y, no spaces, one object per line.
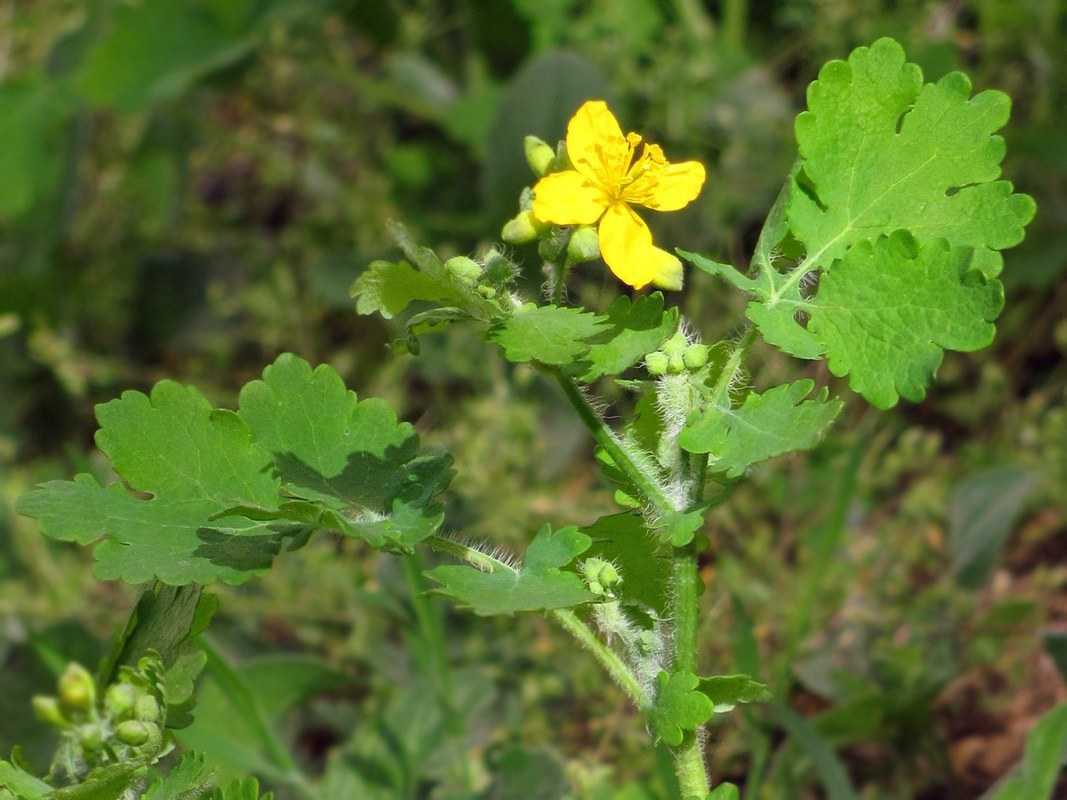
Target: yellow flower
{"x":609,"y":176}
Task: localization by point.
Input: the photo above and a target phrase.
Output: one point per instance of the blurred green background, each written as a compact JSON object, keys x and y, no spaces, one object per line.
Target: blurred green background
{"x":189,"y":187}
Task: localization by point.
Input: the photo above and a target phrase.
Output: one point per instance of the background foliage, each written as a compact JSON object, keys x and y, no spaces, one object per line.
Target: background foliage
{"x":188,"y":189}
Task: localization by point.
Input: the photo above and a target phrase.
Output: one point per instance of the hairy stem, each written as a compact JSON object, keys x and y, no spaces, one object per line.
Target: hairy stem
{"x":568,"y":620}
{"x":646,"y":484}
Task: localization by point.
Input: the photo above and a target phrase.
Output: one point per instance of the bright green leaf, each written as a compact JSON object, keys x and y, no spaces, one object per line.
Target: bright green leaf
{"x":547,"y":334}
{"x":539,"y":584}
{"x":725,"y":791}
{"x":766,"y":425}
{"x":197,"y":463}
{"x":638,"y":328}
{"x":679,"y":527}
{"x":680,"y":707}
{"x":726,"y":691}
{"x":880,"y":151}
{"x":889,"y":309}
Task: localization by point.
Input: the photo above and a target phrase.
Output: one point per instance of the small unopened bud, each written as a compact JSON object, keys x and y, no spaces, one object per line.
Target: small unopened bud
{"x":76,"y":688}
{"x":676,"y":364}
{"x":670,"y":275}
{"x":676,"y":345}
{"x":695,"y":356}
{"x":132,"y":732}
{"x":90,"y":737}
{"x":522,"y":228}
{"x":656,"y":363}
{"x":584,"y":245}
{"x":119,"y":699}
{"x":596,"y":588}
{"x":146,"y":709}
{"x":549,"y":248}
{"x":466,"y":269}
{"x":46,"y":709}
{"x":538,"y":155}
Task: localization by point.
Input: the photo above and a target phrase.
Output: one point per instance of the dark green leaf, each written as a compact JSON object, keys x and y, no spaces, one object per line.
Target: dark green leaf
{"x":623,"y":540}
{"x":726,"y":691}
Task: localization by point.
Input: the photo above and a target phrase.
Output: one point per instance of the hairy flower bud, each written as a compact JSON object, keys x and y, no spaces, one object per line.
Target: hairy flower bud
{"x":146,"y":708}
{"x":656,"y":363}
{"x":695,"y":356}
{"x":119,"y":699}
{"x":584,"y":245}
{"x":538,"y":155}
{"x":133,"y":733}
{"x":466,"y":269}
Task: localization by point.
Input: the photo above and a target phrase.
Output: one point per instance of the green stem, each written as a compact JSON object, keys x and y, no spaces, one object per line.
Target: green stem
{"x":733,"y":364}
{"x":608,"y":658}
{"x":568,"y":620}
{"x":607,"y":439}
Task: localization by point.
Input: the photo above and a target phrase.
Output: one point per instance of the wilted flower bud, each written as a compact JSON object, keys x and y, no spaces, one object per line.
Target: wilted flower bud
{"x":670,"y":276}
{"x":584,"y":245}
{"x":538,"y":155}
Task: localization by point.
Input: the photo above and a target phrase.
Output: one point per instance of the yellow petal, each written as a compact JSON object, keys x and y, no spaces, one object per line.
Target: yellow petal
{"x":626,"y":246}
{"x":596,"y":146}
{"x":568,"y":198}
{"x":667,"y":187}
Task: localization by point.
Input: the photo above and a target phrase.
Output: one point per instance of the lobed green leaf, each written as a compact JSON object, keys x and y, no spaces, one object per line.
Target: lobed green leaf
{"x":539,"y":584}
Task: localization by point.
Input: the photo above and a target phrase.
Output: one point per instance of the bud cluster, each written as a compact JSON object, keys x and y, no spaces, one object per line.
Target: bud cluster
{"x":580,"y":244}
{"x":602,"y":577}
{"x":488,"y":277}
{"x":126,"y":723}
{"x":677,"y":355}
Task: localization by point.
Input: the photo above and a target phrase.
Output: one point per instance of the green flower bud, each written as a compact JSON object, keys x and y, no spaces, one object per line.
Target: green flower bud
{"x":119,"y":699}
{"x":596,"y":588}
{"x":538,"y":155}
{"x":76,"y":688}
{"x":676,"y":364}
{"x":133,"y":733}
{"x":466,"y":269}
{"x":656,"y":363}
{"x":46,"y":709}
{"x":486,"y":291}
{"x":146,"y":708}
{"x":549,"y":248}
{"x":584,"y":245}
{"x":695,"y":356}
{"x":90,"y":737}
{"x":670,"y":276}
{"x":676,"y":345}
{"x":522,"y":228}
